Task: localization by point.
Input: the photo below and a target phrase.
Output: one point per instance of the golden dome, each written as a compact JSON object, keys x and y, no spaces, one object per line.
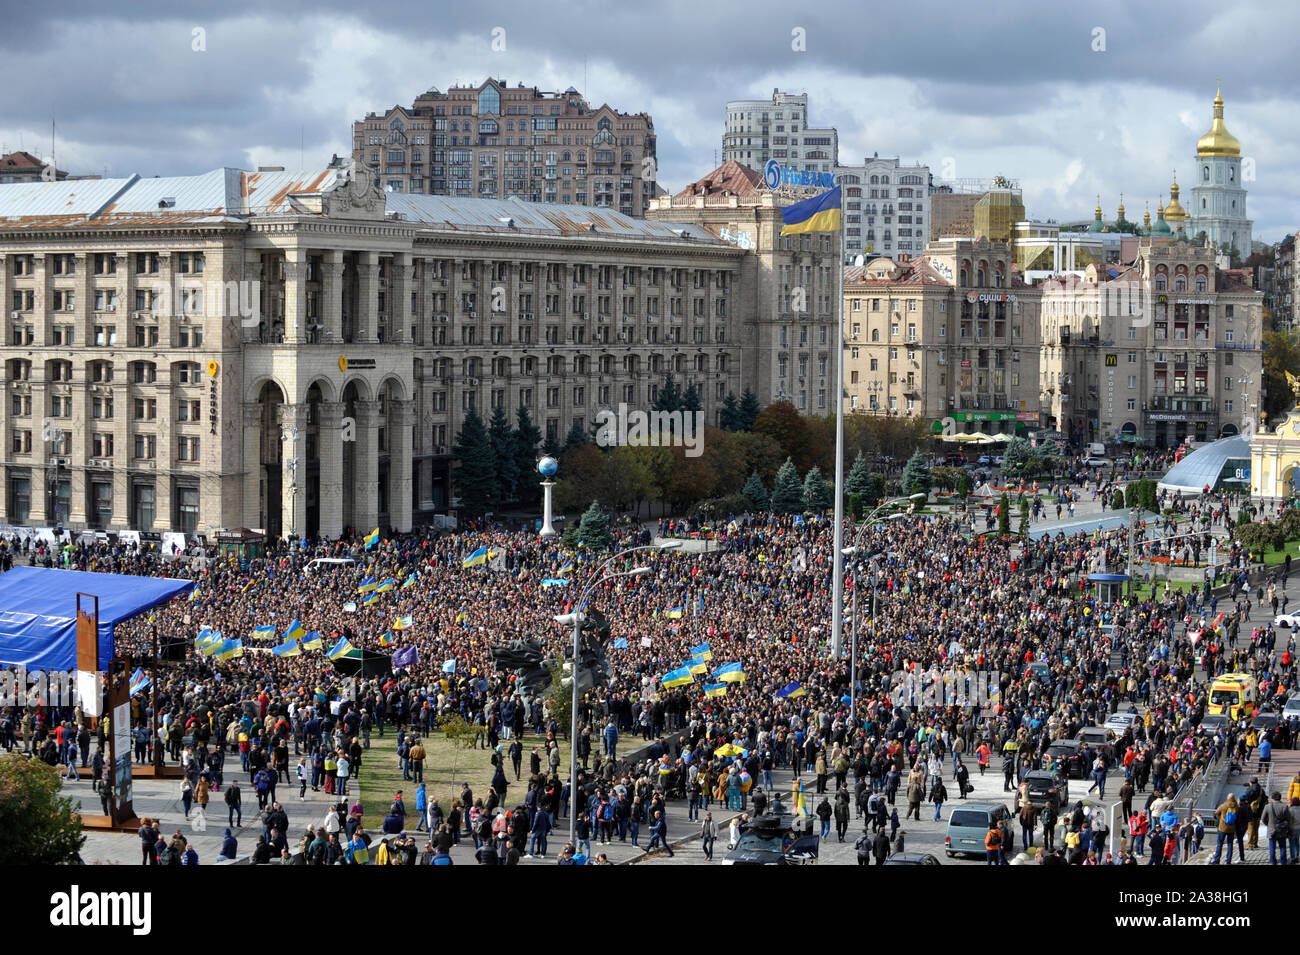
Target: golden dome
{"x":1218,"y":141}
{"x":1120,"y":210}
{"x":1174,"y":212}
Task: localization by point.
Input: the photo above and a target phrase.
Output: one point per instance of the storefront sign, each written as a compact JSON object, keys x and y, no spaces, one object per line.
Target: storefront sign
{"x":1166,"y":417}
{"x":213,"y":368}
{"x":775,"y":175}
{"x":989,"y":297}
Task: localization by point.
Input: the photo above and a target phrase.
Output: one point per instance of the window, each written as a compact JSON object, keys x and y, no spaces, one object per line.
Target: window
{"x":189,"y":410}
{"x":187,"y":448}
{"x":1132,"y":404}
{"x":142,"y":506}
{"x":102,"y":446}
{"x":20,"y":499}
{"x":146,"y":409}
{"x":191,"y":336}
{"x":146,"y":446}
{"x":187,"y":509}
{"x":102,"y":407}
{"x":101,"y":494}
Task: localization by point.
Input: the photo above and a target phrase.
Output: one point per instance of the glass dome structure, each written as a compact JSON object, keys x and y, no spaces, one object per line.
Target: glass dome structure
{"x":1209,"y":465}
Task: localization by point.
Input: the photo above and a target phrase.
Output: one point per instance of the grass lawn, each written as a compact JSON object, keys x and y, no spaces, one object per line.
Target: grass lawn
{"x":1143,"y":591}
{"x":1274,"y":557}
{"x":445,"y":768}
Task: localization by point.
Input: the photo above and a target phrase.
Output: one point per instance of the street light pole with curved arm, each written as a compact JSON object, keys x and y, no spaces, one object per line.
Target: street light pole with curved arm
{"x":576,"y":618}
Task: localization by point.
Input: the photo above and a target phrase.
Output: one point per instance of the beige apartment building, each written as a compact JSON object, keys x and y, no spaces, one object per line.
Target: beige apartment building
{"x":498,"y":141}
{"x":952,"y":334}
{"x":1165,"y":349}
{"x":296,"y":352}
{"x":785,"y":319}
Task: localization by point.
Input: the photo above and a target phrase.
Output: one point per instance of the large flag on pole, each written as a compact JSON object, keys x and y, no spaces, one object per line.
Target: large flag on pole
{"x":821,"y":213}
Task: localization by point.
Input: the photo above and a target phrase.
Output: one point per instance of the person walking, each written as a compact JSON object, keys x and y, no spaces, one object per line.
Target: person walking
{"x":659,"y":833}
{"x":1226,"y":819}
{"x":708,"y":835}
{"x":1277,"y":817}
{"x":234,"y":802}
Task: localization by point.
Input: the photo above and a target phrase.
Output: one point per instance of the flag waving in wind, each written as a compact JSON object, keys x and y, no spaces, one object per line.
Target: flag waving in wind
{"x":821,"y":213}
{"x":138,"y":681}
{"x":372,"y":538}
{"x":405,"y":657}
{"x":295,"y":631}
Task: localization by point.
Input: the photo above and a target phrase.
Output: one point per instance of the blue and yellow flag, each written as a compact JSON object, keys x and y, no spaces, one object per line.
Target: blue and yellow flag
{"x":462,"y":617}
{"x":366,"y":586}
{"x":697,"y":666}
{"x":194,"y":595}
{"x":343,"y":649}
{"x":372,"y":538}
{"x":673,"y":613}
{"x":370,"y":601}
{"x":386,"y":586}
{"x":312,"y":641}
{"x":476,"y":559}
{"x":821,"y":213}
{"x":715,"y":689}
{"x":410,"y":581}
{"x":264,"y":632}
{"x":290,"y":648}
{"x":138,"y":682}
{"x":791,"y":689}
{"x":679,"y":677}
{"x":730,"y":673}
{"x":244,"y":589}
{"x":702,"y":652}
{"x":296,"y":631}
{"x":567,"y":568}
{"x":385,"y":640}
{"x":230,"y":649}
{"x":402,"y":623}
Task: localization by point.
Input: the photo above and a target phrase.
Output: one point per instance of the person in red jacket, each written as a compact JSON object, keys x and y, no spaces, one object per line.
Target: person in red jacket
{"x":1139,"y":825}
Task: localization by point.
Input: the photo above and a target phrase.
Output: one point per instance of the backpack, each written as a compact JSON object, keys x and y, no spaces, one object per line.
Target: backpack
{"x":1230,"y":816}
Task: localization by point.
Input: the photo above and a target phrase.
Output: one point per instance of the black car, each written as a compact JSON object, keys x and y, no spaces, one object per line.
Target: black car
{"x":774,"y":840}
{"x":1211,"y":723}
{"x":1067,"y":758}
{"x":912,"y":858}
{"x":1039,"y":784}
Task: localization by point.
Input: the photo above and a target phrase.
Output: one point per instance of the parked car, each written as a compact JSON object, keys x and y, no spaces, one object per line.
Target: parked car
{"x":968,"y":826}
{"x":1095,"y":462}
{"x":1119,"y":723}
{"x":1211,"y":723}
{"x":1066,"y":758}
{"x":912,"y":858}
{"x":1039,"y":784}
{"x":1097,"y":737}
{"x":774,"y":840}
{"x":1292,"y":709}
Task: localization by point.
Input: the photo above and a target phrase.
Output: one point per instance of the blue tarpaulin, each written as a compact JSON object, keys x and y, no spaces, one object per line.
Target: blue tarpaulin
{"x":38,"y":612}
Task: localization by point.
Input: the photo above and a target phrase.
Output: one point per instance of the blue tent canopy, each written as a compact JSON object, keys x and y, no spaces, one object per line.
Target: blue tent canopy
{"x":38,"y":612}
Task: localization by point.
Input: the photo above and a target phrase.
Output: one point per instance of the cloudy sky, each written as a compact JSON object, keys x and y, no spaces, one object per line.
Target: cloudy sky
{"x":1071,"y":103}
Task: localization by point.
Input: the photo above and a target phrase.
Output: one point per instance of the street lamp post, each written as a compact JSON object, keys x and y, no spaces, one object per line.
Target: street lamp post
{"x":577,"y":618}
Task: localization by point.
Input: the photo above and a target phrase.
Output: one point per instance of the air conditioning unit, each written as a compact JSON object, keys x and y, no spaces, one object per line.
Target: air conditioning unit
{"x":149,"y":465}
{"x":472,"y":314}
{"x":15,"y":314}
{"x":528,"y":316}
{"x":442,"y":449}
{"x":473,"y":381}
{"x":110,"y":307}
{"x":622,"y":336}
{"x":63,"y":462}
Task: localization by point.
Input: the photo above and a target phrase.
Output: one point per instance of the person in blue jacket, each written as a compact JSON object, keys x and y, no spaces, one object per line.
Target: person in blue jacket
{"x":229,"y":848}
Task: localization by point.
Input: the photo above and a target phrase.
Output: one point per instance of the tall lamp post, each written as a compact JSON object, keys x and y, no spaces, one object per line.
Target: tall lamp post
{"x":853,"y":638}
{"x":576,"y":619}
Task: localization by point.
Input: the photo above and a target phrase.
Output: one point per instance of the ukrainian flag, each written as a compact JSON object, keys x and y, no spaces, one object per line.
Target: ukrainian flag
{"x":673,"y":613}
{"x":386,"y":586}
{"x":567,"y":568}
{"x":715,"y":689}
{"x":791,"y":690}
{"x":312,"y":641}
{"x":342,"y":649}
{"x":295,"y":631}
{"x":372,"y":538}
{"x":264,"y":632}
{"x":821,"y":213}
{"x":410,"y":581}
{"x":402,"y":623}
{"x":366,"y":586}
{"x":244,"y":589}
{"x":702,"y":651}
{"x":210,"y":644}
{"x":697,"y":666}
{"x":462,"y":617}
{"x":477,"y":558}
{"x":194,"y":595}
{"x":370,"y":601}
{"x":289,"y":648}
{"x":230,"y":649}
{"x":796,"y":797}
{"x":730,"y":673}
{"x":679,"y":677}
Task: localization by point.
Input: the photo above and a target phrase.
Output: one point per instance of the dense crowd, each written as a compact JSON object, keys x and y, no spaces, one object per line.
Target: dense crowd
{"x":946,"y":600}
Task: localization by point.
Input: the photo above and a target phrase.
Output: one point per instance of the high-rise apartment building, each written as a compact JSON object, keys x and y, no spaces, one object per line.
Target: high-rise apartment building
{"x":497,"y":141}
{"x":758,"y":130}
{"x":886,"y":207}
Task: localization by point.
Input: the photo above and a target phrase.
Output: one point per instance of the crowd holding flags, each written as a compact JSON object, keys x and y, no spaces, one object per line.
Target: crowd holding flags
{"x":290,"y":648}
{"x":405,"y":657}
{"x":366,"y":585}
{"x":313,"y":641}
{"x":230,"y":649}
{"x":403,"y":623}
{"x":295,"y":631}
{"x":372,"y":538}
{"x":791,"y":690}
{"x":386,"y":586}
{"x":730,"y":673}
{"x":679,"y":677}
{"x":478,"y":558}
{"x":715,"y":689}
{"x":343,"y":649}
{"x":138,"y":682}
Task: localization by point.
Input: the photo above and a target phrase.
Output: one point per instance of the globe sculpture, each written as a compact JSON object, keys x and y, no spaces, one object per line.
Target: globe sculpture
{"x":547,"y":467}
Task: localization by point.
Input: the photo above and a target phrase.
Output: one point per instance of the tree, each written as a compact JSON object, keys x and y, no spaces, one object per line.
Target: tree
{"x":859,"y":479}
{"x":1117,"y":502}
{"x":1023,"y":529}
{"x":669,"y":397}
{"x":729,"y":418}
{"x":628,"y":482}
{"x":476,"y":474}
{"x":505,"y":455}
{"x":1281,"y":355}
{"x":964,"y":483}
{"x":1143,"y":494}
{"x":593,"y":529}
{"x":691,"y":399}
{"x":816,"y":495}
{"x":582,"y":478}
{"x":787,"y":492}
{"x":1017,"y":454}
{"x":793,"y":432}
{"x":916,"y":475}
{"x":40,"y":826}
{"x":576,"y":436}
{"x":755,"y":493}
{"x":527,"y":438}
{"x":750,"y":409}
{"x":460,"y":733}
{"x":1004,"y":516}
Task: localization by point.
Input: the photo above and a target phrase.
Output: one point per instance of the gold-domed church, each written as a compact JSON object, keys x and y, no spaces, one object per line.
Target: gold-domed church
{"x":1218,"y":201}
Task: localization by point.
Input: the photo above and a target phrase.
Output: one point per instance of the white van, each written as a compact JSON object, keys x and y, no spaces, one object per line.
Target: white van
{"x":331,"y":563}
{"x":1095,"y":450}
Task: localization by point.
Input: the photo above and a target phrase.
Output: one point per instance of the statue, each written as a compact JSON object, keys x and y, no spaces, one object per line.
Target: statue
{"x":1294,"y":382}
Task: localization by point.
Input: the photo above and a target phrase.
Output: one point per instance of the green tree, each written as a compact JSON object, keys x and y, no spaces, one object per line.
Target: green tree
{"x":1017,"y":455}
{"x":505,"y":455}
{"x":916,"y":475}
{"x":1142,"y":494}
{"x":1281,"y":355}
{"x":593,"y":529}
{"x":460,"y":733}
{"x":964,"y":484}
{"x":576,"y":436}
{"x":1117,"y":502}
{"x":816,"y":495}
{"x":691,"y":399}
{"x":1023,"y":529}
{"x":755,"y":493}
{"x":859,"y":479}
{"x":729,"y":418}
{"x":787,"y":493}
{"x":559,"y":699}
{"x":669,"y":397}
{"x":40,"y":826}
{"x":1004,"y":516}
{"x":476,"y":473}
{"x":750,"y":409}
{"x":527,"y":439}
{"x":855,"y":507}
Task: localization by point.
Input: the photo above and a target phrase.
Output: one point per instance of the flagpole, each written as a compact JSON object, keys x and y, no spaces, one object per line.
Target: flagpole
{"x":837,"y":604}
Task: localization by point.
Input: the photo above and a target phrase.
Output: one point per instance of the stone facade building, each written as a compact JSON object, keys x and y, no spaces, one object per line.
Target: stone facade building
{"x":297,"y":352}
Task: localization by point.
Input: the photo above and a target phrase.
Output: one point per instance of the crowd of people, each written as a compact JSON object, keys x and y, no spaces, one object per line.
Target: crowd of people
{"x":1037,"y":657}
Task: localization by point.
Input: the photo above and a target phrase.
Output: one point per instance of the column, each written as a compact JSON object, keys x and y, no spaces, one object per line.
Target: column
{"x":84,"y":321}
{"x":399,"y":305}
{"x":167,"y":322}
{"x":400,"y":420}
{"x":252,"y":464}
{"x":39,"y":317}
{"x":261,"y":303}
{"x":332,"y":298}
{"x":330,"y":442}
{"x":293,"y":462}
{"x":295,"y":296}
{"x":366,"y":476}
{"x":367,"y":319}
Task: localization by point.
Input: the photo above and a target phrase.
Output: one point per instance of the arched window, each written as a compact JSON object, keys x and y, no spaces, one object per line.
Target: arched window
{"x":1202,"y":284}
{"x":964,"y":275}
{"x":875,"y":334}
{"x":979,"y":278}
{"x":566,"y":157}
{"x":604,"y":123}
{"x":1162,"y":283}
{"x":884,"y":180}
{"x":489,"y":101}
{"x":1180,"y":283}
{"x":1205,"y":174}
{"x":397,"y":124}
